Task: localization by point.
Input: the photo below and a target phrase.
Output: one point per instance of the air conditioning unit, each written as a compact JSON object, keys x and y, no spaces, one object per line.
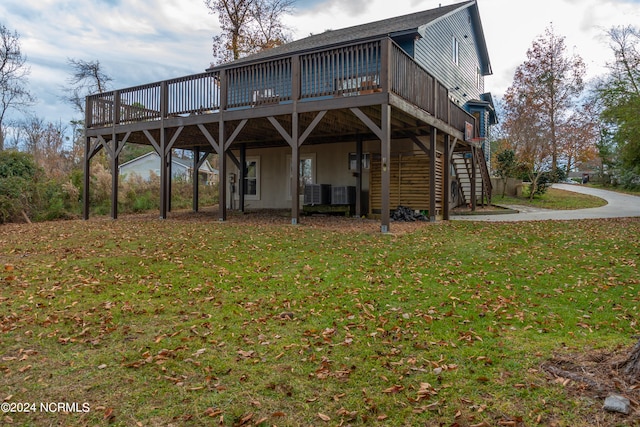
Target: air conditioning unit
{"x":317,"y":194}
{"x":343,"y":195}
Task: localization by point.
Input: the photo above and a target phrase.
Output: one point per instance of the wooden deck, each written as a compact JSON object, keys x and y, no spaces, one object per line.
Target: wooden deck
{"x":368,"y":90}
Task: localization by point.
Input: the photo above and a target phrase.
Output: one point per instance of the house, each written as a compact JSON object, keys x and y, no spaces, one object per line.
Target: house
{"x":383,"y":114}
{"x":148,"y":165}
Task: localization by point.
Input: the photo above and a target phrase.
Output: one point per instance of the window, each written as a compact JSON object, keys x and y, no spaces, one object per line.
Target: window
{"x":252,"y":179}
{"x":455,"y":51}
{"x":307,"y":172}
{"x":366,"y":160}
{"x":478,"y":78}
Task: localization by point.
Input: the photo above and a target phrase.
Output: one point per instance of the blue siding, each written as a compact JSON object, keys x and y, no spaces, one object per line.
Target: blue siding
{"x":434,"y":51}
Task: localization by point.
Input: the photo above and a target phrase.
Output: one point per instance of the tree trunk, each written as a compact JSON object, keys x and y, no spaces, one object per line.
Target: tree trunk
{"x":631,"y":366}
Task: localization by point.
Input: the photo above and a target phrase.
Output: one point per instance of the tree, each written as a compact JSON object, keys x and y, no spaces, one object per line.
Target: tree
{"x":248,"y":26}
{"x":528,"y":138}
{"x":548,"y":84}
{"x":46,"y":143}
{"x":619,"y":95}
{"x":506,"y":166}
{"x":13,"y":77}
{"x":582,"y":135}
{"x":87,"y":77}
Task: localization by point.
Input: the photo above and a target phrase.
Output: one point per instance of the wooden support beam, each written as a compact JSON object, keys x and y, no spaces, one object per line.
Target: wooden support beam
{"x":242,"y":185}
{"x":106,"y":145}
{"x":446,"y":185}
{"x":295,"y":172}
{"x":385,"y":150}
{"x":174,"y":138}
{"x":222,"y":187}
{"x":197,"y":162}
{"x":95,"y":148}
{"x":432,"y":174}
{"x":114,"y":175}
{"x":316,"y":120}
{"x":370,"y":124}
{"x":162,"y":151}
{"x":233,"y":159}
{"x":473,"y":179}
{"x":281,"y":130}
{"x":87,"y":177}
{"x":359,"y":177}
{"x":452,"y":149}
{"x":208,"y":137}
{"x":420,"y":145}
{"x":123,"y":142}
{"x":169,"y":178}
{"x":153,"y":141}
{"x":235,"y":134}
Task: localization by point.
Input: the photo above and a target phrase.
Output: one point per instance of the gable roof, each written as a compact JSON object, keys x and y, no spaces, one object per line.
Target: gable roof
{"x":412,"y":24}
{"x":185,"y":163}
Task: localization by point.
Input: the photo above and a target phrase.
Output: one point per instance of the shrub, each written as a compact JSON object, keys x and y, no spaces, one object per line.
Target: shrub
{"x":630,"y":180}
{"x":18,"y":178}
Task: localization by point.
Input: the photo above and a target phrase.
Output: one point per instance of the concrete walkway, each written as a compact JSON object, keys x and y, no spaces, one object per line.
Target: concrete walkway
{"x":618,"y":206}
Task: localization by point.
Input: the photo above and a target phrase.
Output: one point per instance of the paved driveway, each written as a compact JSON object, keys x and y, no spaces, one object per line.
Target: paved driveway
{"x":618,"y":206}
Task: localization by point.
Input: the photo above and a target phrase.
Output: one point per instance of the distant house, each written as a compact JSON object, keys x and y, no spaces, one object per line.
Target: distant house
{"x":380,"y":115}
{"x":148,"y":165}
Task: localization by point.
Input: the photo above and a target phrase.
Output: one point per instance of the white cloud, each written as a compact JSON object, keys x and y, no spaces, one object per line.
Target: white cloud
{"x":139,"y":42}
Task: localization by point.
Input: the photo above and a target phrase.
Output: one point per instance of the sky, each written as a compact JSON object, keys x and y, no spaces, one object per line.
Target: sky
{"x":144,"y":41}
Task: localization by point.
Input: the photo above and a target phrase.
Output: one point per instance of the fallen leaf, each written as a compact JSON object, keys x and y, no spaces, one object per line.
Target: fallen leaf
{"x":210,"y":412}
{"x":108,"y":414}
{"x":394,"y":389}
{"x":324,"y":417}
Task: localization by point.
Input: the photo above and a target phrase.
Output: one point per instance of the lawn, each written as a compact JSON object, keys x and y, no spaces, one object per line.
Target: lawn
{"x":190,"y":322}
{"x":553,"y":198}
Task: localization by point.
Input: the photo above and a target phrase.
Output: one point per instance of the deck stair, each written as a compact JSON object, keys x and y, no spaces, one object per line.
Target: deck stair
{"x":463,"y":163}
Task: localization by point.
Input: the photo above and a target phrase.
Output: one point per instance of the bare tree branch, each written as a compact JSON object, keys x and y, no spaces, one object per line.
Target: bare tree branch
{"x":248,"y":26}
{"x":87,"y":77}
{"x":13,"y":77}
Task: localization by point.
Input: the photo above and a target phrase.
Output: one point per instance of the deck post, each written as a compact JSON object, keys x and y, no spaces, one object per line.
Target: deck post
{"x":196,"y":178}
{"x":385,"y":64}
{"x":385,"y":150}
{"x":88,"y":121}
{"x":115,"y":151}
{"x":359,"y":177}
{"x":473,"y":179}
{"x":295,"y":170}
{"x":242,"y":185}
{"x":114,"y":175}
{"x":164,"y":192}
{"x":446,"y":185}
{"x":163,"y":174}
{"x":169,"y":175}
{"x":433,"y":156}
{"x":222,"y":184}
{"x":87,"y":178}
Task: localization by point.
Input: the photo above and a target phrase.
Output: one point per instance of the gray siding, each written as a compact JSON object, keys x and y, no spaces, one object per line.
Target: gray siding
{"x":434,"y":52}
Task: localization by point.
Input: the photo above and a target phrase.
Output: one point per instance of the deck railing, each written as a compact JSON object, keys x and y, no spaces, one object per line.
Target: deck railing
{"x":350,"y":70}
{"x":344,"y":71}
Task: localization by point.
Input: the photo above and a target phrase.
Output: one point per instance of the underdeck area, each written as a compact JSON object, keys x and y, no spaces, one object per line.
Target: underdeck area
{"x":350,"y":94}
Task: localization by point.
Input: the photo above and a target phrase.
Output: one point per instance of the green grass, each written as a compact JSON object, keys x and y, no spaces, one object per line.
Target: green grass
{"x":553,"y":198}
{"x":617,"y":188}
{"x":189,"y":321}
